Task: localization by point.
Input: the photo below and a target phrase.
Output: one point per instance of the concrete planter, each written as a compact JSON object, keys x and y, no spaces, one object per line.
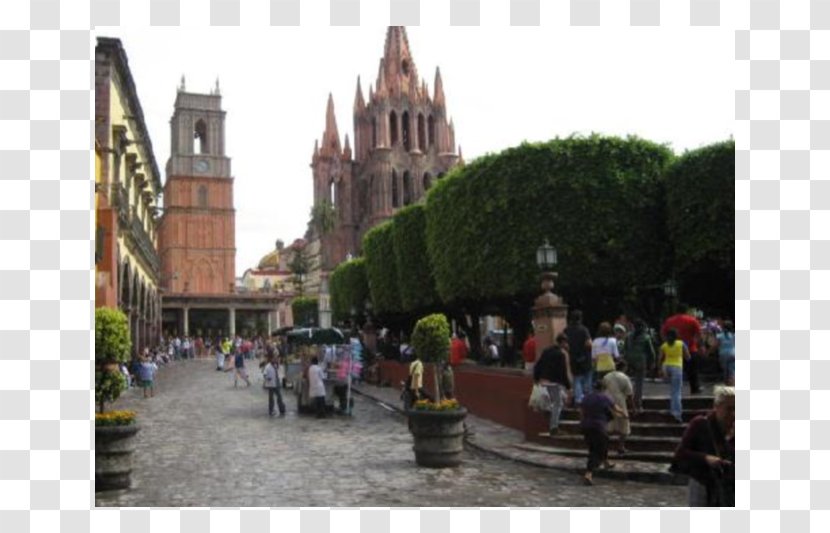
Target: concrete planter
{"x":439,"y":437}
{"x":114,"y":446}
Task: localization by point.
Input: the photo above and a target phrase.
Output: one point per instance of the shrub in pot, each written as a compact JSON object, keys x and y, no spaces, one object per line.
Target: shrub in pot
{"x":114,"y":431}
{"x":437,"y":426}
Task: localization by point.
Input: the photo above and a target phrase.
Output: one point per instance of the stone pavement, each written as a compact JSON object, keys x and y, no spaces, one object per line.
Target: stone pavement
{"x":204,"y":443}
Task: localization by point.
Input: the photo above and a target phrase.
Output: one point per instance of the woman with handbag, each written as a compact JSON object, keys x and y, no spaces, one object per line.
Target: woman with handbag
{"x":707,"y":454}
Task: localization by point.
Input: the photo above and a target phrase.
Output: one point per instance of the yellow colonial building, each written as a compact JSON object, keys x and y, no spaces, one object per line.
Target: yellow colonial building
{"x":128,"y":185}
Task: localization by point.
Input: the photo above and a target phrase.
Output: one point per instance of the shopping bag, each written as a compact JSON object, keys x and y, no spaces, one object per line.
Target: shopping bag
{"x":539,"y":399}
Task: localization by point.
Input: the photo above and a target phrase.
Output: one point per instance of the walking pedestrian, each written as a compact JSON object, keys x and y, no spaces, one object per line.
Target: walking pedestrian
{"x":604,"y":351}
{"x":639,"y":355}
{"x":618,"y":387}
{"x":672,"y":354}
{"x":146,"y":374}
{"x":579,"y":346}
{"x":689,"y":331}
{"x":317,"y":387}
{"x":553,"y":371}
{"x":239,"y":369}
{"x":529,"y":351}
{"x":597,"y":409}
{"x":272,"y":385}
{"x":725,"y":345}
{"x":707,"y":453}
{"x":458,"y":349}
{"x":415,"y":382}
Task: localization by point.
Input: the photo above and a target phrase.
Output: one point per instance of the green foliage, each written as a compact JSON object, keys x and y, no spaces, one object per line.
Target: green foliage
{"x":112,"y":336}
{"x":597,"y":199}
{"x":109,"y":384}
{"x":381,"y":269}
{"x":431,"y":338}
{"x":323,"y":217}
{"x":416,"y":284}
{"x":305,"y":311}
{"x":701,"y":208}
{"x":300,"y":266}
{"x":349,"y":288}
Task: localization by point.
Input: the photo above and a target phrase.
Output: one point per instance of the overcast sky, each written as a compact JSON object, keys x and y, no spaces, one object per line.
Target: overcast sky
{"x":502,"y":85}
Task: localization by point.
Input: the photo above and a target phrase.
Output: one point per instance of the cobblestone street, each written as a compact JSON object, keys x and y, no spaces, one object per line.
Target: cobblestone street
{"x":204,"y":443}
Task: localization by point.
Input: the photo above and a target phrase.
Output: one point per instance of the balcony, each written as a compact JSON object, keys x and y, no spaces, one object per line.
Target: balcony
{"x":143,"y":242}
{"x":121,"y":202}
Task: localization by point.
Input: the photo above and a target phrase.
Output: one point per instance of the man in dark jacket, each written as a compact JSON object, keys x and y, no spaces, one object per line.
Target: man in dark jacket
{"x":553,"y":371}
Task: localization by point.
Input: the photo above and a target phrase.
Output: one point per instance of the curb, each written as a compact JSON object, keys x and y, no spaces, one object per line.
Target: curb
{"x":661,"y":478}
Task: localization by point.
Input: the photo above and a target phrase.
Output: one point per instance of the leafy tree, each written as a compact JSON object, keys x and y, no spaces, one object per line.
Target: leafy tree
{"x":701,"y":222}
{"x":416,"y":284}
{"x":597,"y":199}
{"x":349,"y":288}
{"x":305,"y":311}
{"x":431,"y":340}
{"x":381,"y":270}
{"x":300,"y":266}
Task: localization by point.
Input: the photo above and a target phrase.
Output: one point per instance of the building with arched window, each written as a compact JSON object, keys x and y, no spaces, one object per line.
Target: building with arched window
{"x":127,"y":186}
{"x":402,"y":132}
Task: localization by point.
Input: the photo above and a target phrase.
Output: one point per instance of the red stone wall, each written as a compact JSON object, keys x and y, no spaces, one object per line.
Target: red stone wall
{"x":198,"y":243}
{"x":496,"y":394}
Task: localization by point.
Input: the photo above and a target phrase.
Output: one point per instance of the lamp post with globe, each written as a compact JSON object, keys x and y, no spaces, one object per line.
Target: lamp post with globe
{"x":549,"y":310}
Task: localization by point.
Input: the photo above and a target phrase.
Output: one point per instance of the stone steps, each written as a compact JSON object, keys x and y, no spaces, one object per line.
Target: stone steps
{"x":635,"y":443}
{"x":646,"y":429}
{"x":648,"y":457}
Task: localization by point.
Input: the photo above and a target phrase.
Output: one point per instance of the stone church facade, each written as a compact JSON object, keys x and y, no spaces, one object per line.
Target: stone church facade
{"x":404,"y":140}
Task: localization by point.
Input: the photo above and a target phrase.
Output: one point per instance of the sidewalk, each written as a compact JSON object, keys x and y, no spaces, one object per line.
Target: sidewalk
{"x":510,"y":444}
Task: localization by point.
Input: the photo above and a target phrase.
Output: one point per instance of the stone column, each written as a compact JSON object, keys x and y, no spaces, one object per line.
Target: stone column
{"x":549,"y":316}
{"x":270,"y":328}
{"x":186,"y":325}
{"x":232,"y":322}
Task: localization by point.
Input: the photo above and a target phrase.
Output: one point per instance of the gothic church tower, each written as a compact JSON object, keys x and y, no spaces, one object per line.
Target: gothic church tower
{"x":197,"y":231}
{"x":403,"y":141}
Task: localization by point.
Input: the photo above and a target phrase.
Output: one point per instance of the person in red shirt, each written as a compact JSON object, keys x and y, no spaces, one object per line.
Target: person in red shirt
{"x":458,"y":349}
{"x":688,"y":329}
{"x":529,"y":351}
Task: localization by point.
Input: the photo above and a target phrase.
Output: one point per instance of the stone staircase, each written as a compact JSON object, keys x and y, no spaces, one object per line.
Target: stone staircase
{"x":654,"y":432}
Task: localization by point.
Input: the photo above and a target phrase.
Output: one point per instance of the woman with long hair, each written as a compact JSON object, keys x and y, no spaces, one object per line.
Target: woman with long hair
{"x":672,"y":354}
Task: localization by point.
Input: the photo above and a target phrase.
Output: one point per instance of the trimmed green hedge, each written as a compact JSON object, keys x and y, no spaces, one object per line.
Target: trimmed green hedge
{"x":431,"y":338}
{"x":701,"y":221}
{"x":701,"y":207}
{"x":305,"y":311}
{"x":597,"y":199}
{"x":349,"y":288}
{"x":416,"y":284}
{"x":381,"y":269}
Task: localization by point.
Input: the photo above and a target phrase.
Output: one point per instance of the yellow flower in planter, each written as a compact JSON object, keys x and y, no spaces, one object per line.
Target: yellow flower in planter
{"x":443,"y":405}
{"x":115,"y":418}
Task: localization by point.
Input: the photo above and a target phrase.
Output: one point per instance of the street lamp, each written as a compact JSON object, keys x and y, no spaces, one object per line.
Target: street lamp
{"x":549,"y":311}
{"x":546,"y":259}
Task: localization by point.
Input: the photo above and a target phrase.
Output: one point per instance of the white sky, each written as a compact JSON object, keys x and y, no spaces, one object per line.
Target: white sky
{"x":503,"y":86}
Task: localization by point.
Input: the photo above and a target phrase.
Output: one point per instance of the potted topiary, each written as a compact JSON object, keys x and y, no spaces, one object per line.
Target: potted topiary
{"x":114,"y":431}
{"x":437,"y":426}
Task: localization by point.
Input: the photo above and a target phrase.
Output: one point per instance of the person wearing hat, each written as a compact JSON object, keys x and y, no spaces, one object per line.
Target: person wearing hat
{"x":619,"y":388}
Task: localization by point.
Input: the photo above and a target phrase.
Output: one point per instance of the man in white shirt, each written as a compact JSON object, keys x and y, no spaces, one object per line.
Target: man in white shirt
{"x":317,"y":387}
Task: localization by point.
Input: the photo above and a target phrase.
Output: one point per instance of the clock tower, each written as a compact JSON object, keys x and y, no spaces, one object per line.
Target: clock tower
{"x":197,"y":231}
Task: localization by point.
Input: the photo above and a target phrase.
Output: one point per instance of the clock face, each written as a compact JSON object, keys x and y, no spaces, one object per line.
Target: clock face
{"x":202,"y":165}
